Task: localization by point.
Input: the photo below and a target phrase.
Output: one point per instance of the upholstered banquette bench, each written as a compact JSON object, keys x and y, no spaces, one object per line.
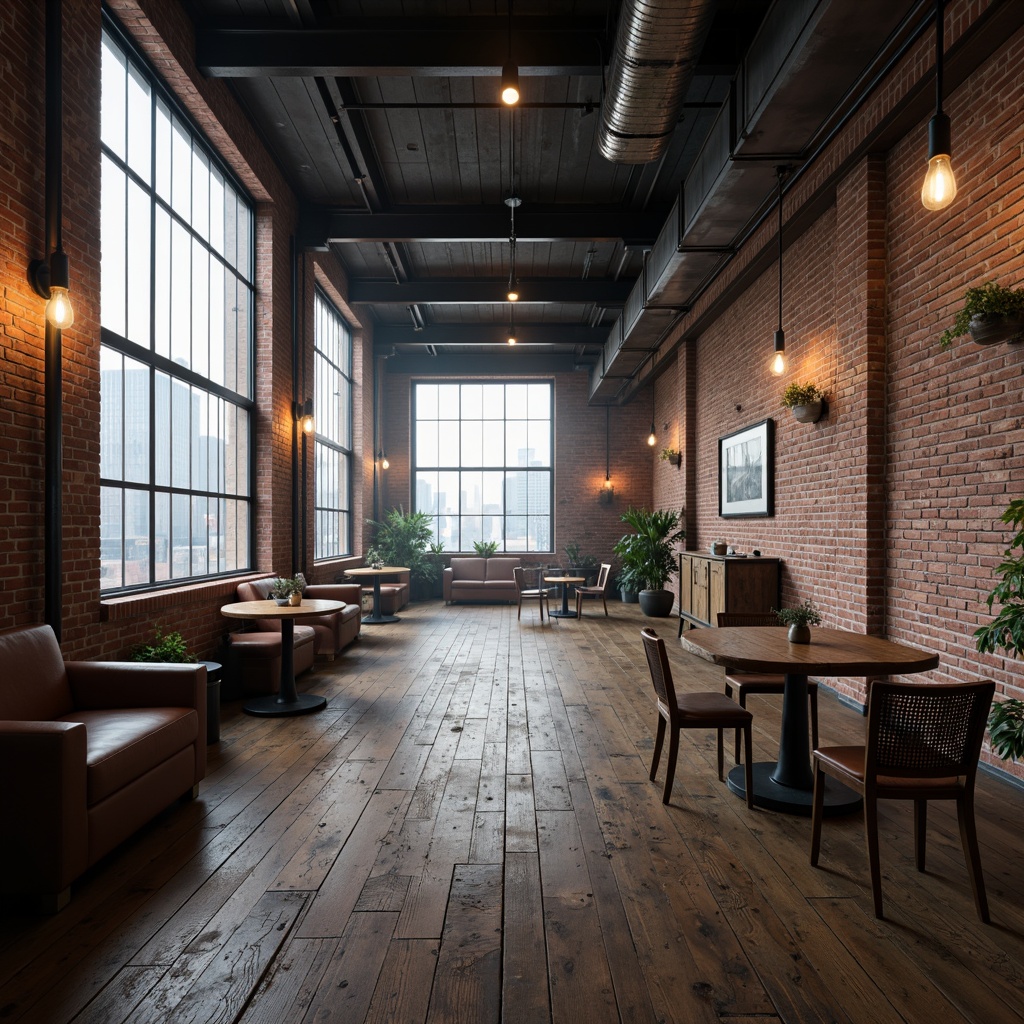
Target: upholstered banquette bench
{"x":89,"y":752}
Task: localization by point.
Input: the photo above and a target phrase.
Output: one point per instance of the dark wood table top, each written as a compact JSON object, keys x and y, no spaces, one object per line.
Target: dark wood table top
{"x":831,"y":652}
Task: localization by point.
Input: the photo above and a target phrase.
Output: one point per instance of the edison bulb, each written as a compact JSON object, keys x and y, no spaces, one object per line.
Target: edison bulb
{"x":510,"y":85}
{"x":778,"y":364}
{"x":384,"y":463}
{"x":58,"y":308}
{"x":939,"y":188}
{"x":651,"y":439}
{"x":513,"y":293}
{"x":511,"y":339}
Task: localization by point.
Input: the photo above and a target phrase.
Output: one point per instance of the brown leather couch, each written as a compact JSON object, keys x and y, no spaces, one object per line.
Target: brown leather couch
{"x":480,"y":579}
{"x":89,"y":752}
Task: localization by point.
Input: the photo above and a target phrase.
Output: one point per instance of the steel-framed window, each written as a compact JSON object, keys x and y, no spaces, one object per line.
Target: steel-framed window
{"x":332,"y":354}
{"x":482,"y":462}
{"x":176,"y":360}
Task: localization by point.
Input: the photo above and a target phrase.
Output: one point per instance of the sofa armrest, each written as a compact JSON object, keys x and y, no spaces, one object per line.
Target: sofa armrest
{"x":349,"y":593}
{"x":45,"y":817}
{"x":446,"y":583}
{"x":96,"y":685}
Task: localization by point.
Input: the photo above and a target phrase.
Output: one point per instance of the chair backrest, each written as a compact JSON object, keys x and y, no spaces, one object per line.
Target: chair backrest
{"x":661,"y":671}
{"x":926,"y":730}
{"x":518,"y":574}
{"x":603,"y":577}
{"x":747,"y":619}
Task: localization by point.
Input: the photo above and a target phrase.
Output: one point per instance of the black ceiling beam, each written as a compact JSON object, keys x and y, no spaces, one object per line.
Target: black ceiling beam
{"x":439,"y":47}
{"x":384,"y":336}
{"x":477,"y":291}
{"x":319,"y":226}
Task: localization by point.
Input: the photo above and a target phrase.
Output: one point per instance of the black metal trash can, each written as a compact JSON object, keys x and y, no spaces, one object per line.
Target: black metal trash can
{"x":213,"y":670}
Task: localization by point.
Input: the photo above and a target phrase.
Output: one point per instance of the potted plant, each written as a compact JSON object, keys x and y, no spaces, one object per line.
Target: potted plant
{"x":402,"y":538}
{"x":586,"y":566}
{"x":806,"y":401}
{"x":373,"y":558}
{"x":990,"y":314}
{"x":286,"y":590}
{"x":629,"y":586}
{"x":671,"y":455}
{"x":799,"y":619}
{"x":1006,"y":632}
{"x":485,"y":548}
{"x":649,"y":556}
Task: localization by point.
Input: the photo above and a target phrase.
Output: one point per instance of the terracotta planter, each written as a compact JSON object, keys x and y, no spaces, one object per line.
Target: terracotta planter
{"x":991,"y":330}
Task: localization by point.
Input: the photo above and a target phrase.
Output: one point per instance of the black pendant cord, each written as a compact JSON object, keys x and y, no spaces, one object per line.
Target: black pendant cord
{"x":781,"y":172}
{"x":939,"y":28}
{"x":607,"y":457}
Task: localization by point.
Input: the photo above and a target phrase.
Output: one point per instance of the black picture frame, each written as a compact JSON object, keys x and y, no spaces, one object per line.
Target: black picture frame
{"x":746,"y":472}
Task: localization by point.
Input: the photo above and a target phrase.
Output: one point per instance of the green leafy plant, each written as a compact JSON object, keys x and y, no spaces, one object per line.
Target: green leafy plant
{"x":628,"y":580}
{"x":1006,"y":632}
{"x":373,"y":557}
{"x":670,"y":455}
{"x":164,"y":647}
{"x":802,"y":615}
{"x":485,"y":548}
{"x":572,"y":552}
{"x":987,"y":300}
{"x":402,"y":538}
{"x":285,"y":586}
{"x":801,"y":394}
{"x":647,"y":555}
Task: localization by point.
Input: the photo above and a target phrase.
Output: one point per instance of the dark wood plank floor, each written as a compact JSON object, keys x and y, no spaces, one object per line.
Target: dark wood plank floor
{"x":467,"y":834}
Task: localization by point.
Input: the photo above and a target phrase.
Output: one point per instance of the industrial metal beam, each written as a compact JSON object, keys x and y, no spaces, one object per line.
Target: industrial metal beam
{"x":573,"y":223}
{"x":385,"y":336}
{"x":505,"y":362}
{"x":438,"y":47}
{"x":477,"y":291}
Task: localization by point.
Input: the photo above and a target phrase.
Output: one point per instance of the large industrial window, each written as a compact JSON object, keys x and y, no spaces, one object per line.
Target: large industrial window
{"x":333,"y":408}
{"x":482,"y":457}
{"x":176,"y":356}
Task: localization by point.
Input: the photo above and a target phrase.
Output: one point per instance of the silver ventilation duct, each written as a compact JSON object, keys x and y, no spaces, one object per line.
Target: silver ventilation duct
{"x":656,"y":48}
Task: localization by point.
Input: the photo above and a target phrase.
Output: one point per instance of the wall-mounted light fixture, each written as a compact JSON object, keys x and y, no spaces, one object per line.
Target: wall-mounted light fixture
{"x":382,"y":458}
{"x":51,"y":280}
{"x":607,"y":492}
{"x":778,"y":363}
{"x":304,"y":414}
{"x":939,"y":188}
{"x":510,"y":71}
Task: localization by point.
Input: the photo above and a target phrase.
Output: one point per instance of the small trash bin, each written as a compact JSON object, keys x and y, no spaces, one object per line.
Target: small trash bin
{"x":213,"y":670}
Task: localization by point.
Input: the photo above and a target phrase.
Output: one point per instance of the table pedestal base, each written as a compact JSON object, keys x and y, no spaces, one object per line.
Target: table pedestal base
{"x":376,"y":620}
{"x":558,"y":614}
{"x":769,"y":794}
{"x":275,"y":707}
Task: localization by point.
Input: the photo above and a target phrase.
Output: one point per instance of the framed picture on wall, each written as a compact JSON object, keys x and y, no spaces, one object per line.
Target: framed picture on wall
{"x":746,"y":472}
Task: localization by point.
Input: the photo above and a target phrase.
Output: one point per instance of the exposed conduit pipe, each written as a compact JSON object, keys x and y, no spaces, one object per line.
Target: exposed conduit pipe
{"x":656,"y":49}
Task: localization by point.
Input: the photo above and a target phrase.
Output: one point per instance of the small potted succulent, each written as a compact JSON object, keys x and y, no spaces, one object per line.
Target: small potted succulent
{"x":991,"y":313}
{"x":806,"y":401}
{"x":799,"y":619}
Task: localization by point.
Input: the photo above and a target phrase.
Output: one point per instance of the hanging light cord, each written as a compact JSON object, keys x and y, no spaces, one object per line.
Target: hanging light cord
{"x":781,"y":172}
{"x":939,"y":26}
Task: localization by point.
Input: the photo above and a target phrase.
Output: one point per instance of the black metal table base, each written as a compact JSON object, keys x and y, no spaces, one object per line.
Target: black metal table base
{"x":376,"y":620}
{"x":275,"y":707}
{"x":775,"y":797}
{"x":558,"y":614}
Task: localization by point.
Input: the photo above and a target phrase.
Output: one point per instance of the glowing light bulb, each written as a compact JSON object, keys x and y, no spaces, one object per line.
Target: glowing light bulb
{"x":652,"y":440}
{"x":513,"y":293}
{"x":58,"y":308}
{"x":939,"y":188}
{"x":511,"y":338}
{"x":308,"y":423}
{"x":510,"y":85}
{"x":778,"y":364}
{"x":384,"y":463}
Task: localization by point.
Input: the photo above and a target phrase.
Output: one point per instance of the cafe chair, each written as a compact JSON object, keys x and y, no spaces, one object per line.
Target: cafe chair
{"x":703,"y":710}
{"x":530,"y":593}
{"x":738,"y":684}
{"x":600,"y":589}
{"x":923,"y":743}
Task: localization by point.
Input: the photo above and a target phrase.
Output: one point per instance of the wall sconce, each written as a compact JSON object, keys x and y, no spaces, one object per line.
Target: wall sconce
{"x":383,"y":460}
{"x":939,"y":188}
{"x":778,"y":363}
{"x":304,"y":414}
{"x":51,"y":280}
{"x":607,"y":492}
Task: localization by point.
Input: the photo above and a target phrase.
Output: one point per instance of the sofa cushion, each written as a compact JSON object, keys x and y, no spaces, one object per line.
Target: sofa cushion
{"x":500,"y":570}
{"x":30,"y":658}
{"x":469,"y":569}
{"x":123,"y":744}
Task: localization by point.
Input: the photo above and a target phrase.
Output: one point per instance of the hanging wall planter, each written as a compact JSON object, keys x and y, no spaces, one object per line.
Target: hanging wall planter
{"x":806,"y":401}
{"x":990,"y":314}
{"x":991,"y":330}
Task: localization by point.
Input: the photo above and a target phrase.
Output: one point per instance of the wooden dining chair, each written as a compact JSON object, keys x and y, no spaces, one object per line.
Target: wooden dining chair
{"x":738,"y":684}
{"x":530,"y":593}
{"x":702,"y":710}
{"x":923,"y":743}
{"x":600,"y":589}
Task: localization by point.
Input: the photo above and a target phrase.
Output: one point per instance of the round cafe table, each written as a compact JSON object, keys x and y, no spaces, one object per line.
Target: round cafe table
{"x":566,"y":581}
{"x":375,"y":617}
{"x":788,"y":783}
{"x":287,"y":701}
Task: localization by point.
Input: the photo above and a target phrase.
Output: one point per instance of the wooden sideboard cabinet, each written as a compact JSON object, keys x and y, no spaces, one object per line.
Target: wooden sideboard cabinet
{"x":709,"y":584}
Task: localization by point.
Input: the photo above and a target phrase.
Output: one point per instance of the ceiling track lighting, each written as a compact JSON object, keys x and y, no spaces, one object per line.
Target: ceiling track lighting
{"x":939,"y":188}
{"x":778,"y":363}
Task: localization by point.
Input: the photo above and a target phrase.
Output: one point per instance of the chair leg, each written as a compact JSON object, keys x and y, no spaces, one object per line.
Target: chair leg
{"x":874,"y":864}
{"x":920,"y":827}
{"x":579,"y":605}
{"x":721,"y":759}
{"x":604,"y":601}
{"x":670,"y":769}
{"x":659,"y":739}
{"x":814,"y":718}
{"x":748,"y":765}
{"x":817,"y":807}
{"x":742,"y":698}
{"x":969,"y":839}
{"x":519,"y":610}
{"x":540,"y":606}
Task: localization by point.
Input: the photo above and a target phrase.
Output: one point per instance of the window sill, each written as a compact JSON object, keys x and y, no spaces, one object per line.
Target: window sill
{"x":152,"y":602}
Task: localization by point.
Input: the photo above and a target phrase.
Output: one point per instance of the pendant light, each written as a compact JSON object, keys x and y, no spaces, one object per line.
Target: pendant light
{"x":512,"y":325}
{"x":778,"y":363}
{"x":607,"y":491}
{"x":510,"y":71}
{"x":939,"y":188}
{"x":652,"y":437}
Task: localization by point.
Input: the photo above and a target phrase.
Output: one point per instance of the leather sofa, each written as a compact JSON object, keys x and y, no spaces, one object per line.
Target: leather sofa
{"x":480,"y":579}
{"x":89,"y":752}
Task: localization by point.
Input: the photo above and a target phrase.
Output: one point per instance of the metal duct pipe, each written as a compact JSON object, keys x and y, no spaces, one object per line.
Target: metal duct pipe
{"x":657,"y":44}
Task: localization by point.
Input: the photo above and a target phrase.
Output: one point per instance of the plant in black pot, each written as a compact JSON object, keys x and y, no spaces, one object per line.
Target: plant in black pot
{"x":799,"y":619}
{"x":805,"y":400}
{"x":629,"y":586}
{"x":1006,"y":632}
{"x":402,"y":538}
{"x":586,"y":566}
{"x":648,"y":556}
{"x":990,"y":314}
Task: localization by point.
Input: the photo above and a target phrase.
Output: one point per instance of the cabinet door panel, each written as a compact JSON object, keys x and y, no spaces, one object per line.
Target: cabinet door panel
{"x":716,"y":596}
